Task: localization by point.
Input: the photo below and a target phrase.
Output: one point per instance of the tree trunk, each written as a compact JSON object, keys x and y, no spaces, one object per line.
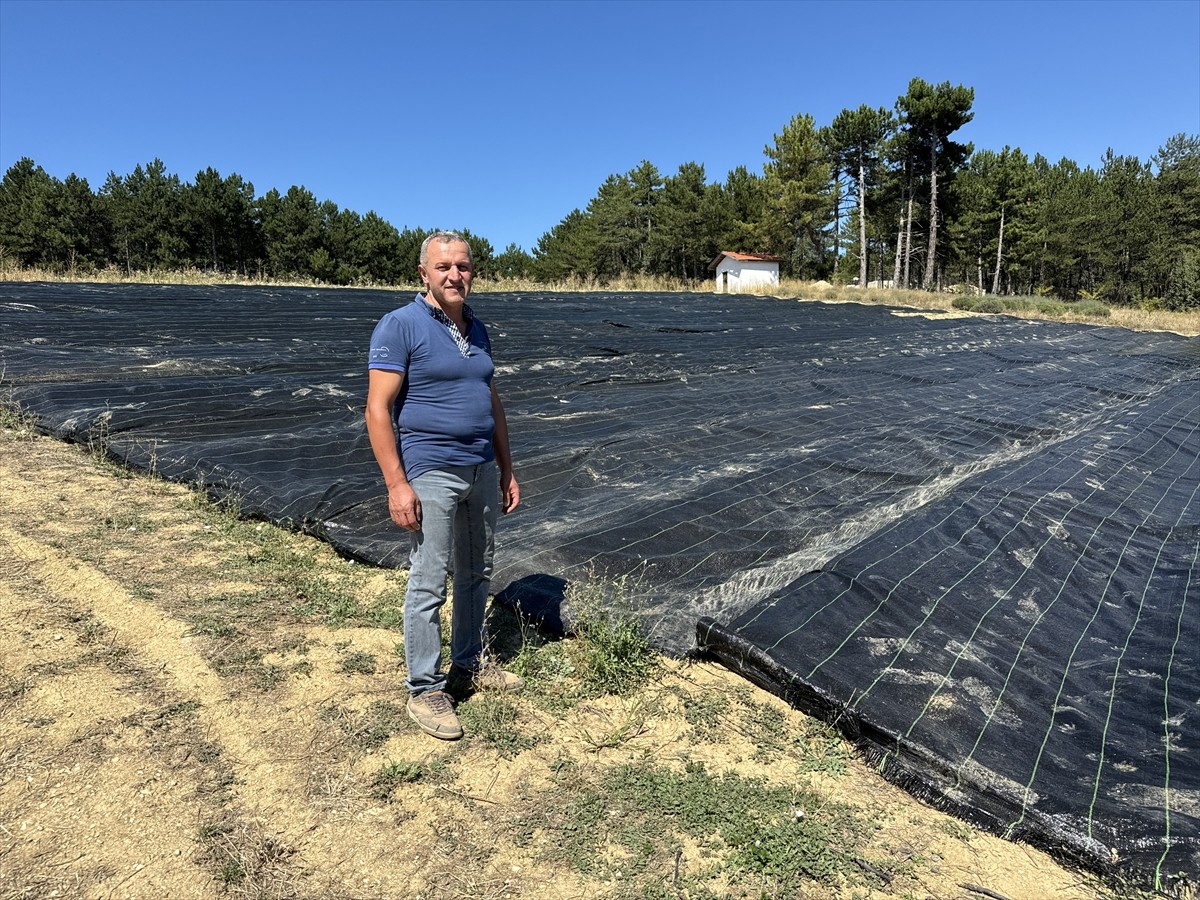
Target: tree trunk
{"x":908,"y":241}
{"x":979,"y":272}
{"x":999,"y":255}
{"x":900,"y":231}
{"x":837,"y":217}
{"x":931,"y":253}
{"x":862,"y":224}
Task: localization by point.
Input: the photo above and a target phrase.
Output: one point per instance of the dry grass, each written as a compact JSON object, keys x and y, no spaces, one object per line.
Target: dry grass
{"x":1133,"y":318}
{"x":114,"y":275}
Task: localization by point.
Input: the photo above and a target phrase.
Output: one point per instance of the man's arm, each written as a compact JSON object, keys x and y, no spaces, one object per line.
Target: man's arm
{"x":383,"y":388}
{"x":510,"y":491}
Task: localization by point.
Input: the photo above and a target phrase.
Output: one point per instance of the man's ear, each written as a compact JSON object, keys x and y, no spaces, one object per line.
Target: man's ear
{"x":424,"y":275}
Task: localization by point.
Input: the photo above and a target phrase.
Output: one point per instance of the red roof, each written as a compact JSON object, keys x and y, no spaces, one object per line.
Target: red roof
{"x":744,"y":257}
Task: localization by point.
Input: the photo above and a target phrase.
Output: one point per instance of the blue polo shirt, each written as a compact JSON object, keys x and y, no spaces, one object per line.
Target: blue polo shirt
{"x":444,"y":412}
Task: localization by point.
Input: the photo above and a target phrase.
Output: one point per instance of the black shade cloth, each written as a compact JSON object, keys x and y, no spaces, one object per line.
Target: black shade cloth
{"x":971,"y":542}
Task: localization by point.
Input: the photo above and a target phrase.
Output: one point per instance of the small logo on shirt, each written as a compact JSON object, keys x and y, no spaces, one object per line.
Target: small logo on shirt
{"x":380,"y":353}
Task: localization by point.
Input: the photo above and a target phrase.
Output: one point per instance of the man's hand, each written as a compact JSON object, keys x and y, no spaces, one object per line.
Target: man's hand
{"x":510,"y":492}
{"x":405,"y":507}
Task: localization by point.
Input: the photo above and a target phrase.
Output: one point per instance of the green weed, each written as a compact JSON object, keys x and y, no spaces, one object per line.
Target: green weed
{"x":128,"y":520}
{"x":384,"y":612}
{"x":630,"y":818}
{"x":549,"y":671}
{"x":13,"y":417}
{"x":235,"y":659}
{"x":98,"y":440}
{"x":960,"y":831}
{"x":823,"y":750}
{"x":370,"y":729}
{"x":705,"y":712}
{"x":626,"y":725}
{"x":492,"y":718}
{"x":617,"y":658}
{"x":92,"y":630}
{"x":766,"y":726}
{"x":211,"y":625}
{"x":292,"y":575}
{"x":164,"y":719}
{"x":358,"y":663}
{"x":395,"y":774}
{"x":607,"y":653}
{"x":267,"y":677}
{"x":214,"y":829}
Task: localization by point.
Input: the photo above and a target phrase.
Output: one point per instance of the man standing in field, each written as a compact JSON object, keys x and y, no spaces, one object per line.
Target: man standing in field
{"x":430,"y":383}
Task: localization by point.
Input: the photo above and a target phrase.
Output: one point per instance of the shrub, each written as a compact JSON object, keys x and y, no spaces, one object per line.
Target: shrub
{"x":1092,"y":308}
{"x":990,"y":305}
{"x":1017,"y":304}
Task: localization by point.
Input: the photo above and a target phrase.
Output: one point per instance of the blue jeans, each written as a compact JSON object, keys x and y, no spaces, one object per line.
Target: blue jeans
{"x":457,"y":534}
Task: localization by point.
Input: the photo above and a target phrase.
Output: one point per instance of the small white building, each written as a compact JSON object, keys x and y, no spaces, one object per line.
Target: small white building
{"x":744,"y":271}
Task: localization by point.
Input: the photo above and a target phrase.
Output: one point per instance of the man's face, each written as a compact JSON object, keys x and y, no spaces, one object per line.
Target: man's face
{"x":447,"y":272}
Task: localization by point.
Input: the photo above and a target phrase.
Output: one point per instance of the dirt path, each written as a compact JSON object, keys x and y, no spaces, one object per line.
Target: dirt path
{"x":171,"y":727}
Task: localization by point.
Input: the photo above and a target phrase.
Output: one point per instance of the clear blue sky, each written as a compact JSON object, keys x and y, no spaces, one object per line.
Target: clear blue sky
{"x":502,"y":117}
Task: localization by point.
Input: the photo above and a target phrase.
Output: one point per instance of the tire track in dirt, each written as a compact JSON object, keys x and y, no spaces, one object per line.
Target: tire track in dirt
{"x":101,"y":781}
{"x":162,"y":647}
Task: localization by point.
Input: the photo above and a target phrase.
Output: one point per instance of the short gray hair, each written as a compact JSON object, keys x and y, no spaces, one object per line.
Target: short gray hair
{"x":444,"y":237}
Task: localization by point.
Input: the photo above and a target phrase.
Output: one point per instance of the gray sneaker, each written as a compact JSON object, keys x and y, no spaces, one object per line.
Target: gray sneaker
{"x":433,"y":711}
{"x":462,"y":684}
{"x":494,"y":678}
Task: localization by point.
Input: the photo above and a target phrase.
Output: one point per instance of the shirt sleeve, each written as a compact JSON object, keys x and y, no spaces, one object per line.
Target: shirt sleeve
{"x":389,"y":345}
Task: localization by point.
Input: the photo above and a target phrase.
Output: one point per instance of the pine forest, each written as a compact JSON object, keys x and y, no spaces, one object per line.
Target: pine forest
{"x":877,"y":196}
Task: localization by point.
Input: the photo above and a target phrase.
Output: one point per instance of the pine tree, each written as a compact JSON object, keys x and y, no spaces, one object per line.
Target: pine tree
{"x":25,"y":213}
{"x":856,"y":140}
{"x":930,"y":115}
{"x":797,"y":176}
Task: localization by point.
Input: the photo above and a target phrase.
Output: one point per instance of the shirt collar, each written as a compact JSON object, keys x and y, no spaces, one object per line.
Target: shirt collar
{"x":462,"y":340}
{"x":437,"y":312}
